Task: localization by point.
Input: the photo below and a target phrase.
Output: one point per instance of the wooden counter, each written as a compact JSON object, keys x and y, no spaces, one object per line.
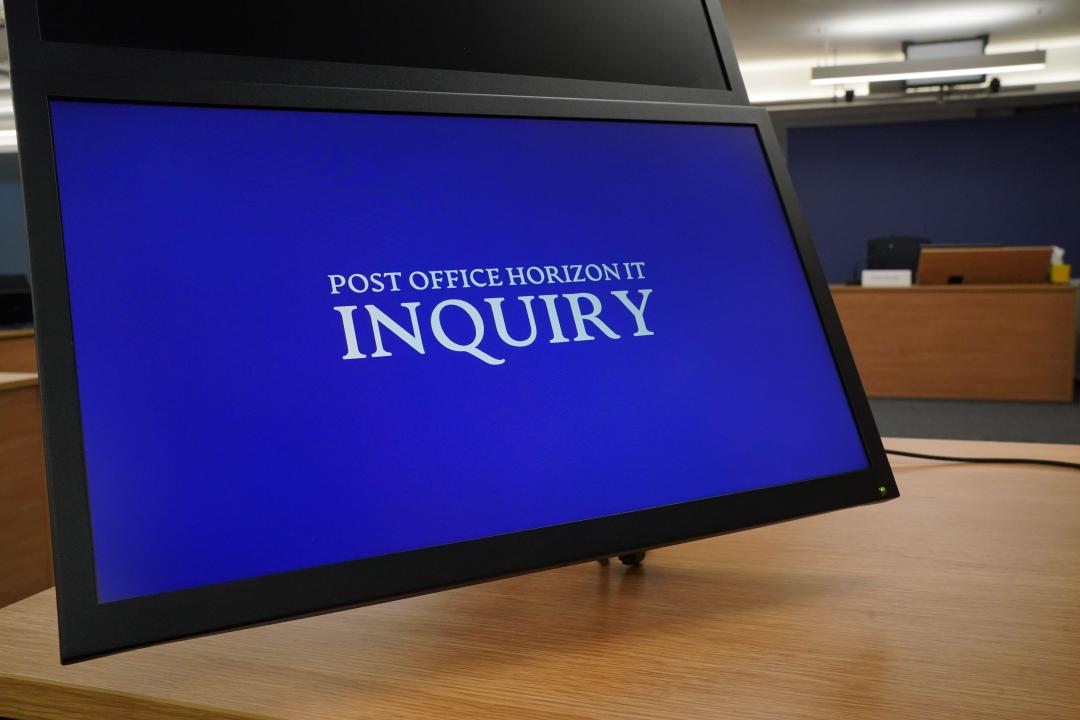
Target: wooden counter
{"x":25,"y":550}
{"x":986,"y":342}
{"x":17,"y":352}
{"x":959,"y":600}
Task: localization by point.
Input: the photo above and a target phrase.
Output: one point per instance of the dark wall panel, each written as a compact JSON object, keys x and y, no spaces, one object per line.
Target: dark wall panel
{"x":13,"y":259}
{"x":1012,"y":180}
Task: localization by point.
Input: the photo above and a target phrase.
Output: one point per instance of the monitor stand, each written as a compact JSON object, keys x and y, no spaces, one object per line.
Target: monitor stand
{"x":632,"y":559}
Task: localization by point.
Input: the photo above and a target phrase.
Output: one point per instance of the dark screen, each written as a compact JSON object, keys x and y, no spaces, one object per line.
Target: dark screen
{"x":651,"y":42}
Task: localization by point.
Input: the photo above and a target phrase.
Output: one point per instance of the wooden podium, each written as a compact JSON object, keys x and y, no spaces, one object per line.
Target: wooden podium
{"x":960,"y":600}
{"x":975,"y":342}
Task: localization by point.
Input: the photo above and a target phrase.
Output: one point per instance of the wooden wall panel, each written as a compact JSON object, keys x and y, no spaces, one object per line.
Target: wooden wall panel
{"x":17,"y":352}
{"x":25,"y":549}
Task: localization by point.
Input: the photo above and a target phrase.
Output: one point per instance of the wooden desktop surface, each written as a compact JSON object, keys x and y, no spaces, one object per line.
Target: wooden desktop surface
{"x":959,"y":600}
{"x":988,"y":342}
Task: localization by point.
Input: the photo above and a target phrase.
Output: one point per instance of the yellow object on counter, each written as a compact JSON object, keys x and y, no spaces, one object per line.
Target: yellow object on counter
{"x":1060,"y":274}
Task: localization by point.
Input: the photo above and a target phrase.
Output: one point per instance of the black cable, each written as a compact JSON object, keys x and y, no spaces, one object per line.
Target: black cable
{"x":1005,"y":461}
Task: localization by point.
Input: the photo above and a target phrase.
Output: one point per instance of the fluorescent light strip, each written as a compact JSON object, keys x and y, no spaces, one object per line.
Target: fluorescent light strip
{"x":8,"y":141}
{"x":929,"y":69}
{"x":913,"y":21}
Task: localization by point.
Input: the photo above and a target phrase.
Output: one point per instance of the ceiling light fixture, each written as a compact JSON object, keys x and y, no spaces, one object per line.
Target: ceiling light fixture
{"x":980,"y":17}
{"x":929,"y":69}
{"x":8,"y":140}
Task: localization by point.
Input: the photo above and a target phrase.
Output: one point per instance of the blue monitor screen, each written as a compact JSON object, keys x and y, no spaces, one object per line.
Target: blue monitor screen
{"x":307,"y":337}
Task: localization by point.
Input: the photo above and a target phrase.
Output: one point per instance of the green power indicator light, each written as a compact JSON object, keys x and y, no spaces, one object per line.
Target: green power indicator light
{"x":883,"y":491}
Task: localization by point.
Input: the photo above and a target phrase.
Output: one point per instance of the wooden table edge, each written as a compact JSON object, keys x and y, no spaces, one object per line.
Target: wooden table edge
{"x":17,"y":381}
{"x":50,"y":700}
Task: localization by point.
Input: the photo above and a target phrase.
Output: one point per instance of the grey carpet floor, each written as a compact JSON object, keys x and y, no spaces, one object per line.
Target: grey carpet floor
{"x":979,"y":420}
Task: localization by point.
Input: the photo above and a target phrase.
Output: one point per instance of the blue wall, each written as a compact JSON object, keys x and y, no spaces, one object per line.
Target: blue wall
{"x":13,"y":258}
{"x":1013,"y":180}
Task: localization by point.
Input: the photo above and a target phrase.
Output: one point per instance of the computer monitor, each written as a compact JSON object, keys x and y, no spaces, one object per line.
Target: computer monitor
{"x":984,"y":265}
{"x":308,"y":350}
{"x":894,"y":253}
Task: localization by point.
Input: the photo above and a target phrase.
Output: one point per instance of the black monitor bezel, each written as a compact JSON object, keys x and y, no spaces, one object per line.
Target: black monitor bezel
{"x":182,"y":68}
{"x":89,"y":629}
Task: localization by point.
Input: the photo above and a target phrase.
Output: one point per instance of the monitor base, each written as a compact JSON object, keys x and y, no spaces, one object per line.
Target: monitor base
{"x":632,"y":559}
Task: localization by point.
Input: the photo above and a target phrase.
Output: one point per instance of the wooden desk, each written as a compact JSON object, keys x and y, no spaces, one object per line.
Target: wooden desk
{"x":987,"y":342}
{"x":959,"y":600}
{"x":17,"y":352}
{"x":25,"y":551}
